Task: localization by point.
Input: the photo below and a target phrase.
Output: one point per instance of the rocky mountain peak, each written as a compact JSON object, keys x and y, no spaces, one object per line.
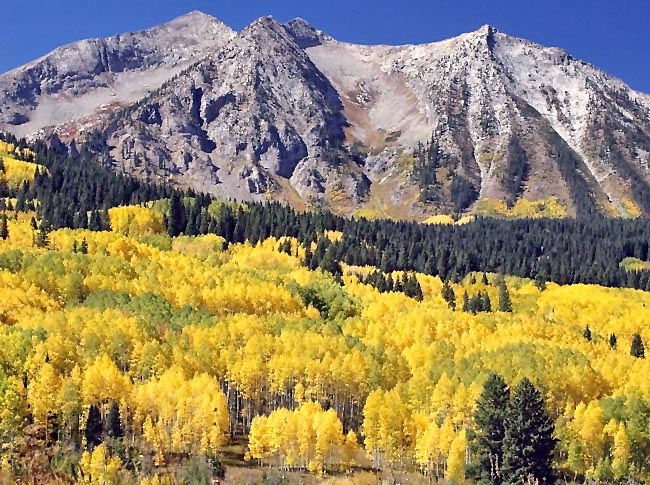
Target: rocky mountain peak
{"x":286,"y":112}
{"x":305,"y":34}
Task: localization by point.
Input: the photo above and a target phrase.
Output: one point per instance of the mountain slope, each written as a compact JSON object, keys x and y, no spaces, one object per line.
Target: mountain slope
{"x":289,"y":113}
{"x":497,"y":106}
{"x":79,"y":79}
{"x":250,"y":121}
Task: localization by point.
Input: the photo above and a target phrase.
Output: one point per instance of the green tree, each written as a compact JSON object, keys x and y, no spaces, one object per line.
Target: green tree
{"x":42,"y":236}
{"x":94,"y":428}
{"x":465,"y":302}
{"x":613,"y":341}
{"x":505,"y":304}
{"x":587,"y":334}
{"x":637,"y":348}
{"x":83,"y":247}
{"x":448,"y":295}
{"x":489,"y":428}
{"x":528,"y":443}
{"x":113,"y":425}
{"x":176,"y":216}
{"x":4,"y":227}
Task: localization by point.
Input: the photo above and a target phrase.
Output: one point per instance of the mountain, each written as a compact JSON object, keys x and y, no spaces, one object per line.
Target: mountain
{"x":95,"y":76}
{"x":478,"y":123}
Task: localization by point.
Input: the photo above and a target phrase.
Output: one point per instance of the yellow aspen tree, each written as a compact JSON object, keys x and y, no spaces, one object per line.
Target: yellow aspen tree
{"x":621,"y":453}
{"x":99,"y":468}
{"x":456,"y":460}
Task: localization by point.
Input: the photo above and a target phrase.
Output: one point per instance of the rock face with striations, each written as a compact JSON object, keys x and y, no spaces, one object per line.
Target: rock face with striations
{"x":288,"y":113}
{"x":257,"y":116}
{"x":97,"y":75}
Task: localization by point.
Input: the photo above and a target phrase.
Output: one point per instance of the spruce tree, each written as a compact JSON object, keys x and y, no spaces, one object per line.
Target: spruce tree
{"x":448,"y":295}
{"x":83,"y":247}
{"x":505,"y":304}
{"x":489,"y":416}
{"x":42,"y":238}
{"x":4,"y":227}
{"x":587,"y":333}
{"x":114,"y":422}
{"x":528,"y":443}
{"x":637,"y":348}
{"x":465,"y":302}
{"x":94,"y":428}
{"x":612,"y":341}
{"x":486,"y":304}
{"x":176,"y":216}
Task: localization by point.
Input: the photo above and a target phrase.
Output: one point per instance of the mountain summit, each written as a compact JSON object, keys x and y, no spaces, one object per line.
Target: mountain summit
{"x":477,"y":122}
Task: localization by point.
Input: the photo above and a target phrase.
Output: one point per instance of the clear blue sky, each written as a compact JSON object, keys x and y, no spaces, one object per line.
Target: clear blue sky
{"x":613,"y":35}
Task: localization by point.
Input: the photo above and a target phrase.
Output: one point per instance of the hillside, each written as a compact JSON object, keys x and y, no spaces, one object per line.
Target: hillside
{"x":134,"y":354}
{"x":474,"y":124}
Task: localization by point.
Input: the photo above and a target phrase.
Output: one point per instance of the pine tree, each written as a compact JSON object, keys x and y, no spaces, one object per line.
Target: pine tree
{"x":587,"y":333}
{"x":42,"y":238}
{"x":505,"y":304}
{"x":465,"y":302}
{"x":612,"y":341}
{"x":4,"y":227}
{"x":94,"y":428}
{"x":175,"y":218}
{"x":113,"y":423}
{"x":83,"y":247}
{"x":448,"y":295}
{"x":528,"y":443}
{"x":486,"y":304}
{"x":637,"y":348}
{"x":489,"y":416}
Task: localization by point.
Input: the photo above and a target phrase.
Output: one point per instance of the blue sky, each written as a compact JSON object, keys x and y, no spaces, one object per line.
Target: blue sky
{"x":615,"y":36}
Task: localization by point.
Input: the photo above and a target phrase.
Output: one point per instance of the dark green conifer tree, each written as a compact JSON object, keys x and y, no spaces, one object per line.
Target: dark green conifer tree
{"x":448,"y":295}
{"x":42,"y":236}
{"x":465,"y":302}
{"x":587,"y":333}
{"x":489,"y":431}
{"x":83,"y":247}
{"x":505,"y":304}
{"x":528,"y":443}
{"x":4,"y":227}
{"x":613,"y":341}
{"x":94,"y":428}
{"x":113,"y":425}
{"x":176,"y":216}
{"x":637,"y":349}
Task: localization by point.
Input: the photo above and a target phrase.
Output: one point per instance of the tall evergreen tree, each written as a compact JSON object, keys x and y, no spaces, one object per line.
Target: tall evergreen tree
{"x":448,"y":295}
{"x":528,"y":443}
{"x":489,"y":416}
{"x":42,"y":236}
{"x":613,"y":341}
{"x":83,"y":247}
{"x":176,"y":216}
{"x":587,"y":334}
{"x":4,"y":227}
{"x":94,"y":427}
{"x":505,"y":304}
{"x":637,"y":349}
{"x":113,"y":423}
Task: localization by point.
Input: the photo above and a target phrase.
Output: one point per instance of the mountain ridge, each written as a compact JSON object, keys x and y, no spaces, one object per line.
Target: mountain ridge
{"x":314,"y":121}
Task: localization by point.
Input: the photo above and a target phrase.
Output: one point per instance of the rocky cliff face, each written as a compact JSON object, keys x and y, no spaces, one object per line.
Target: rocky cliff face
{"x":510,"y":119}
{"x":287,"y":112}
{"x":254,"y":119}
{"x":95,"y":76}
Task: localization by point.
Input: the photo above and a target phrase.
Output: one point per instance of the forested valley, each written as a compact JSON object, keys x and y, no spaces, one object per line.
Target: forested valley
{"x":149,"y":333}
